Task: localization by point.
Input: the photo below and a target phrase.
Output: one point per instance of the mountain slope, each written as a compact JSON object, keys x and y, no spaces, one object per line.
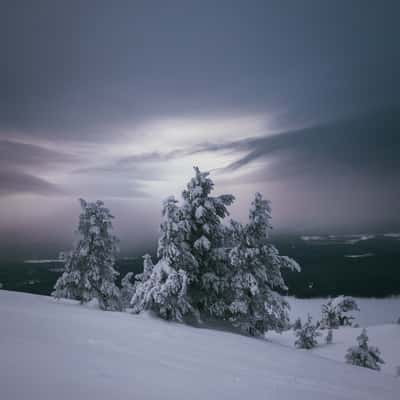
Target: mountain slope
{"x":60,"y":351}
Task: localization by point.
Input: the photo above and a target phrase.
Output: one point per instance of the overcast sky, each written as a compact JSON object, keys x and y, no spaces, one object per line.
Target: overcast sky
{"x":118,"y":100}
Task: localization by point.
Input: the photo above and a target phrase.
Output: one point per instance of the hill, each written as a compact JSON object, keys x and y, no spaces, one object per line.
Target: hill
{"x":60,"y":351}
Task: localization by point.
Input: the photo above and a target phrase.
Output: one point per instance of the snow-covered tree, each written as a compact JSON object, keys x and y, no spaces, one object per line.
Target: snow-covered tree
{"x":363,"y":355}
{"x":127,"y":288}
{"x":172,"y":245}
{"x":89,"y":268}
{"x":147,"y":269}
{"x":297,"y":324}
{"x":329,"y":337}
{"x":307,"y":335}
{"x":204,"y":238}
{"x":164,"y":292}
{"x":163,"y":288}
{"x":193,"y":263}
{"x":256,"y":279}
{"x":206,"y":268}
{"x":335,"y":312}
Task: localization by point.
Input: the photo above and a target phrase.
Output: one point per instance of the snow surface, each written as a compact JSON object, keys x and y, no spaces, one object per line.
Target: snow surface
{"x":61,"y":350}
{"x":385,"y":337}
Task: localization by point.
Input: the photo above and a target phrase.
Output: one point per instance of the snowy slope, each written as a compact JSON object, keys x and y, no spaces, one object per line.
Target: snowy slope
{"x":65,"y":351}
{"x":385,"y":337}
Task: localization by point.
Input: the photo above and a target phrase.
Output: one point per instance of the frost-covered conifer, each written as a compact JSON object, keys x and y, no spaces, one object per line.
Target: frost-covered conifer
{"x":127,"y":289}
{"x":163,"y":288}
{"x":172,"y":245}
{"x":335,"y":312}
{"x":205,"y":239}
{"x":297,"y":324}
{"x":256,"y":305}
{"x":89,"y":268}
{"x":206,"y":268}
{"x":147,"y":269}
{"x":164,"y":292}
{"x":363,"y":355}
{"x":307,"y":335}
{"x":329,"y":337}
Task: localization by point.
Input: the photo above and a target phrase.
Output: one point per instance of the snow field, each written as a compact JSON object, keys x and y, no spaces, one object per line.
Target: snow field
{"x":61,"y":350}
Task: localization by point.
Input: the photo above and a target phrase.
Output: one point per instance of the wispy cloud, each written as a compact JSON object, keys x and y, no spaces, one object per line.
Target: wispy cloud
{"x":14,"y":182}
{"x":368,"y":145}
{"x":20,"y":154}
{"x":141,"y":165}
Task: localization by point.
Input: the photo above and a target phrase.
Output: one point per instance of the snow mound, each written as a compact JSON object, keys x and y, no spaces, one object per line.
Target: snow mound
{"x":60,"y":350}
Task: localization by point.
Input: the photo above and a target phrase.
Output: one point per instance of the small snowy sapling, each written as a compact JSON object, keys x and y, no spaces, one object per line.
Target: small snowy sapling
{"x":363,"y":355}
{"x":307,"y":335}
{"x":297,"y":324}
{"x":329,"y":337}
{"x":127,"y":289}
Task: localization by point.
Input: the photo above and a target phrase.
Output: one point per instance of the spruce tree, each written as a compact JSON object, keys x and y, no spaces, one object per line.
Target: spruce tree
{"x":163,"y":288}
{"x":89,"y":268}
{"x":307,"y":335}
{"x":335,"y":312}
{"x":329,"y":337}
{"x":297,"y":324}
{"x":257,"y":306}
{"x":127,"y":289}
{"x":363,"y":355}
{"x":208,"y":269}
{"x":164,"y":292}
{"x":172,"y":245}
{"x":204,"y":238}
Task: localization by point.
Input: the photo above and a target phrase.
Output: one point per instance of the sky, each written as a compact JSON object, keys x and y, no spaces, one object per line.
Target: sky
{"x":118,"y":101}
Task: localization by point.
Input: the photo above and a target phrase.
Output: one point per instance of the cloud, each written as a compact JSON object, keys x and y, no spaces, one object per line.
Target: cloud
{"x":101,"y":189}
{"x":142,"y":166}
{"x":364,"y":145}
{"x":87,"y":78}
{"x":13,"y":182}
{"x":19,"y":154}
{"x":19,"y":160}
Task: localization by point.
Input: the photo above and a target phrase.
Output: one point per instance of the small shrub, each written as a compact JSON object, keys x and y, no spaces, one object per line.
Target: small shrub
{"x":363,"y":355}
{"x":307,"y":335}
